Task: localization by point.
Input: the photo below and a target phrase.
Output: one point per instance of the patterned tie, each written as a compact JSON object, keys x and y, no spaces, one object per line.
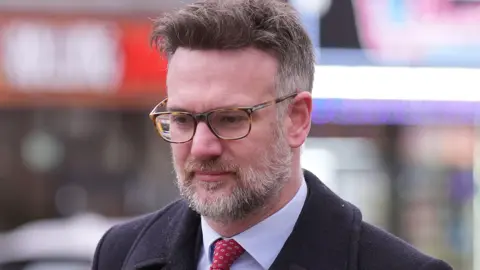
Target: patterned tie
{"x":225,"y":253}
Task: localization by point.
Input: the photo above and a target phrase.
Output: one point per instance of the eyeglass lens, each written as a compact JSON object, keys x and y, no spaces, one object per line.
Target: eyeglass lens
{"x":180,"y":127}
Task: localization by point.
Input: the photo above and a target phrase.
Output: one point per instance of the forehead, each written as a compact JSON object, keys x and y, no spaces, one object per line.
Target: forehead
{"x":200,"y":80}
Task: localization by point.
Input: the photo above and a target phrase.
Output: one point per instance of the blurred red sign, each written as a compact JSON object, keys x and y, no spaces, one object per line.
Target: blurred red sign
{"x":79,"y":59}
{"x":143,"y":67}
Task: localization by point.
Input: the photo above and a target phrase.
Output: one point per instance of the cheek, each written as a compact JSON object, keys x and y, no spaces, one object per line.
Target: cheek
{"x":246,"y":152}
{"x":180,"y":153}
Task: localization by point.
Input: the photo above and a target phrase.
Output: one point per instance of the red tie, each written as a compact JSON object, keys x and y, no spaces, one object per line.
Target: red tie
{"x":225,"y":253}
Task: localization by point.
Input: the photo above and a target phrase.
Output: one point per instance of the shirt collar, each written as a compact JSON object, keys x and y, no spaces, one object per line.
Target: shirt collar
{"x":264,"y":240}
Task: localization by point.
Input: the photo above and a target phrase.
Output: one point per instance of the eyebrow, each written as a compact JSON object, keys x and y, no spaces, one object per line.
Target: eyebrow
{"x":180,"y":109}
{"x":176,"y":109}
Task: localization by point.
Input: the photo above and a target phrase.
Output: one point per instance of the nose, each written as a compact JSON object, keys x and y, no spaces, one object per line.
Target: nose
{"x":205,"y":144}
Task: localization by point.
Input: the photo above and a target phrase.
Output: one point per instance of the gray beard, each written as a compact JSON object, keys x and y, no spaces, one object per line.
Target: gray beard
{"x":256,"y":188}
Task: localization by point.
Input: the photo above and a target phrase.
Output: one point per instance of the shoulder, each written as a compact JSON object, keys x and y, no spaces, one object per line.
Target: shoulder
{"x":118,"y":240}
{"x":381,"y":250}
{"x":136,"y":225}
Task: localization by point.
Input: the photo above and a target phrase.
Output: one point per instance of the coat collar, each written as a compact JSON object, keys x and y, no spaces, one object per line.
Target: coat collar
{"x":324,"y":236}
{"x":172,"y":241}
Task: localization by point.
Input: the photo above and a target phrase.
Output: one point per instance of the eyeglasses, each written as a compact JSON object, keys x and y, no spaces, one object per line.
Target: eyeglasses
{"x":225,"y":124}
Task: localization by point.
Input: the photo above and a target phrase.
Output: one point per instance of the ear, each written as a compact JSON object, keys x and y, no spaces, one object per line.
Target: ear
{"x":298,"y":119}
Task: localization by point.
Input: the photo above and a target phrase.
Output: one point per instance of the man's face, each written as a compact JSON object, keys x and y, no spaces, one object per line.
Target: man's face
{"x":227,"y":180}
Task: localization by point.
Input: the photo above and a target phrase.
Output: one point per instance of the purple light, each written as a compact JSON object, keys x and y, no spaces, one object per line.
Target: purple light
{"x":341,"y":111}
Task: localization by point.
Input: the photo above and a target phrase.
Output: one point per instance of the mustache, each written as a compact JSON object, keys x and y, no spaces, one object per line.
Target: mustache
{"x":210,"y":165}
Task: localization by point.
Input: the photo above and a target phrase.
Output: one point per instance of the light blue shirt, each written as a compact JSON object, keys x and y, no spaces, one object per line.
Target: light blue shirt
{"x":262,"y":242}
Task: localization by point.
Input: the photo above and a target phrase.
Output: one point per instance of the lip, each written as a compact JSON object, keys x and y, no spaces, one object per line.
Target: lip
{"x":211,"y":176}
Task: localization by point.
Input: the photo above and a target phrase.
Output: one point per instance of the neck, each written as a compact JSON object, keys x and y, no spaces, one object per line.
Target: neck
{"x":286,"y":194}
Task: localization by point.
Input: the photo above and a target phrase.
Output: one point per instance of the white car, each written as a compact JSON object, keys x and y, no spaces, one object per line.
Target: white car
{"x":55,"y":244}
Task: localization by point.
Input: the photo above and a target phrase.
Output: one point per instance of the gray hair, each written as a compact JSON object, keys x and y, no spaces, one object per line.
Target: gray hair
{"x":272,"y":26}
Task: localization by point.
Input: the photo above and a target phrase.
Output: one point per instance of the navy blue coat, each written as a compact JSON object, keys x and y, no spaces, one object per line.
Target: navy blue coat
{"x":329,"y":235}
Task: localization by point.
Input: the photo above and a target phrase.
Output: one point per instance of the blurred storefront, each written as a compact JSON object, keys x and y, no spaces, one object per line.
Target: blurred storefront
{"x":75,"y":92}
{"x":395,"y":140}
{"x":79,"y":61}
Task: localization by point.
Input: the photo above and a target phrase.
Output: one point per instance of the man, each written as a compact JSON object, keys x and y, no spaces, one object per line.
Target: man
{"x":238,"y":111}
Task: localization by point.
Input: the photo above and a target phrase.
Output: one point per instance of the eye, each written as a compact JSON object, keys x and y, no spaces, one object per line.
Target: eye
{"x":231,"y":118}
{"x":181,"y":119}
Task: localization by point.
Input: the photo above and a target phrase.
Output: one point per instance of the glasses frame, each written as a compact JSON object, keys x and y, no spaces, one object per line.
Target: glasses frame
{"x":199,"y":117}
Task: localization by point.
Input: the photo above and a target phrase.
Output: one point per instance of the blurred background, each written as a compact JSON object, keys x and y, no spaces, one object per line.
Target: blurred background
{"x":395,"y":132}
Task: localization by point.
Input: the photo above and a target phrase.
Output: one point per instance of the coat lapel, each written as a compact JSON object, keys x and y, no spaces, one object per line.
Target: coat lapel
{"x":325,"y":235}
{"x":172,"y":243}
